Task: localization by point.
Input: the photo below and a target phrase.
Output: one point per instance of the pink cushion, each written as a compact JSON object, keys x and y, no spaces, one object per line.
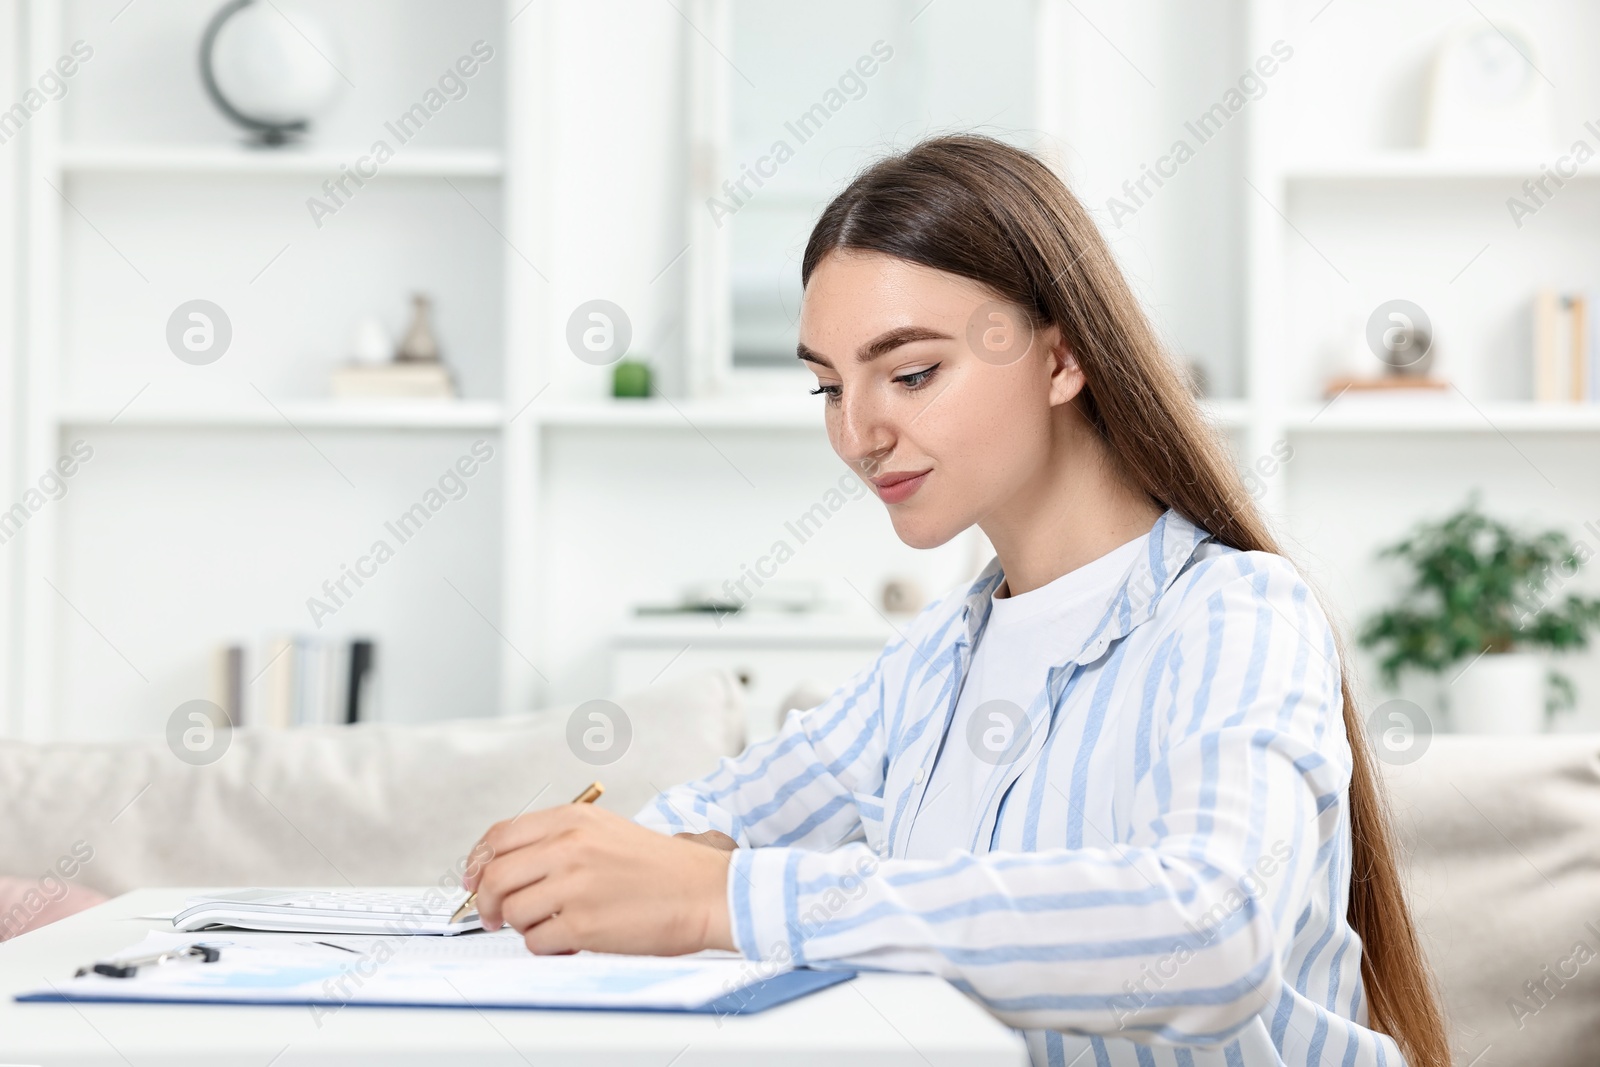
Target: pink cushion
{"x":29,"y":903}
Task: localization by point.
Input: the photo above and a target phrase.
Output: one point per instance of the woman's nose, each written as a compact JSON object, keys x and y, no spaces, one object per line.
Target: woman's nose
{"x":864,"y":438}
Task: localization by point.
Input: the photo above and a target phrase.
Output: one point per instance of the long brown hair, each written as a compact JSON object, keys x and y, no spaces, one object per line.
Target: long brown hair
{"x":976,"y":207}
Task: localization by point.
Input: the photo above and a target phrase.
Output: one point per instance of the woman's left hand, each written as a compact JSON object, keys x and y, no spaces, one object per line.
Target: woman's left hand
{"x":580,"y":877}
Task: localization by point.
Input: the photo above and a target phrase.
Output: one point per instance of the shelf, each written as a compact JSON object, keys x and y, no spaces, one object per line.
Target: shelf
{"x":114,"y":159}
{"x":659,"y":413}
{"x":1443,"y":416}
{"x":318,"y":414}
{"x":748,"y":412}
{"x":1387,"y":166}
{"x":819,"y":627}
{"x":763,"y":413}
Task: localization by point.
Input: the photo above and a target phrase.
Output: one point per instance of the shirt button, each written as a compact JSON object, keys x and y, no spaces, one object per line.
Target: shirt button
{"x":920,"y":775}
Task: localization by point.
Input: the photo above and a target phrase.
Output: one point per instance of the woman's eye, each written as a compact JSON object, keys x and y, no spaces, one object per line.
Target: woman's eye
{"x":912,"y":382}
{"x":917,"y":379}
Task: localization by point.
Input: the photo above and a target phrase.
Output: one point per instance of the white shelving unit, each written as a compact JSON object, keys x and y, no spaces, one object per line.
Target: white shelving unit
{"x":749,"y":412}
{"x":659,"y":413}
{"x":1347,"y":212}
{"x":330,"y":415}
{"x":1446,"y":416}
{"x":1365,"y":179}
{"x":547,"y":199}
{"x":169,"y":444}
{"x":537,"y":434}
{"x":201,"y":160}
{"x":1420,"y":165}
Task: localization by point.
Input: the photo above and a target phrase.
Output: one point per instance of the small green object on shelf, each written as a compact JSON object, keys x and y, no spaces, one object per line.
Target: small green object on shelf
{"x":630,"y":378}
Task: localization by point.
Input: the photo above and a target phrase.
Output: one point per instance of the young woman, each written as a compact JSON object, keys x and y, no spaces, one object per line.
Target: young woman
{"x":1116,"y":790}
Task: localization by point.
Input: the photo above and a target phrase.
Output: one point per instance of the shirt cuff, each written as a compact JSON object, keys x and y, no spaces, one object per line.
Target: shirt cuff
{"x":762,"y":884}
{"x":783,"y":901}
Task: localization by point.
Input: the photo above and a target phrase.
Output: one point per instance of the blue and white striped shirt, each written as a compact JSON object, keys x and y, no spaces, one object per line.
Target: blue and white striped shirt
{"x":1161,"y":864}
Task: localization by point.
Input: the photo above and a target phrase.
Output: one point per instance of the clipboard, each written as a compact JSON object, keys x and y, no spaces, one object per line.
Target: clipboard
{"x":479,"y":971}
{"x":754,"y":998}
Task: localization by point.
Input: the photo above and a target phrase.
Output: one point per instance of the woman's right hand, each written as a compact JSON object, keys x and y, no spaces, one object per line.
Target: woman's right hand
{"x":712,"y":839}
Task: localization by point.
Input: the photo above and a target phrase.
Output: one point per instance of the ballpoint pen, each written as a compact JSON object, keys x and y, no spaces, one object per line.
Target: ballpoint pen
{"x":588,"y":796}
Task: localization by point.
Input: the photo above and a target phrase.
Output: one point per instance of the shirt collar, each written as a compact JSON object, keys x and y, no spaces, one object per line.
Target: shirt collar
{"x":1173,"y":542}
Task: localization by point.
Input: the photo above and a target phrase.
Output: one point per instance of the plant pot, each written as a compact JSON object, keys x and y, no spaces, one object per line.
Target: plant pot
{"x":1502,"y":693}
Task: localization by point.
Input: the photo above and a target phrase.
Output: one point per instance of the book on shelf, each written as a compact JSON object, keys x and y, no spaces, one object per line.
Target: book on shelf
{"x":1566,"y":347}
{"x":233,"y":683}
{"x":299,"y":680}
{"x":398,"y":380}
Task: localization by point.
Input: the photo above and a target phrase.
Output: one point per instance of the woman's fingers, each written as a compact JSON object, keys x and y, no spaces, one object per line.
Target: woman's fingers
{"x":590,"y":879}
{"x":514,"y":871}
{"x":478,"y":858}
{"x":528,"y":907}
{"x":553,"y":937}
{"x":529,"y":828}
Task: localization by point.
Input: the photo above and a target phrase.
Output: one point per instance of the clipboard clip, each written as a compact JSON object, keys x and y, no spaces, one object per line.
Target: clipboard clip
{"x":130,"y":967}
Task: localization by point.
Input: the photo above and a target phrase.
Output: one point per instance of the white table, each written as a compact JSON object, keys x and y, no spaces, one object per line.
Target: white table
{"x":877,"y":1019}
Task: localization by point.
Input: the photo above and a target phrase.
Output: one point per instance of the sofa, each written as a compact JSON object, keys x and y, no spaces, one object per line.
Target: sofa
{"x":371,"y":804}
{"x":1500,"y":835}
{"x":1501,"y":840}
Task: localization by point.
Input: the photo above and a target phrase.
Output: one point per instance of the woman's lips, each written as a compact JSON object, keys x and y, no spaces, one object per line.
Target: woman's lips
{"x":898,"y":486}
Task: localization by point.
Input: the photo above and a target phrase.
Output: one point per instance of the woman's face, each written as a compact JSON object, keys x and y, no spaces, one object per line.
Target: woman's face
{"x":937,"y":394}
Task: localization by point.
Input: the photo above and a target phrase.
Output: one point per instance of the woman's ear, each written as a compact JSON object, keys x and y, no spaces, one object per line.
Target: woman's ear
{"x":1066,"y":377}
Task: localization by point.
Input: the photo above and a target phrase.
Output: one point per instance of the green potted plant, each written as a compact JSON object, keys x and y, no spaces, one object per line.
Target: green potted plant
{"x":1483,"y":596}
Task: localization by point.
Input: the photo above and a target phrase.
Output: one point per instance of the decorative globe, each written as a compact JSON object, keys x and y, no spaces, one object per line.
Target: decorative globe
{"x":269,"y":67}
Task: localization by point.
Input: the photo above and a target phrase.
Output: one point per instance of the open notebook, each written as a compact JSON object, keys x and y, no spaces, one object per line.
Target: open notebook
{"x":329,"y":911}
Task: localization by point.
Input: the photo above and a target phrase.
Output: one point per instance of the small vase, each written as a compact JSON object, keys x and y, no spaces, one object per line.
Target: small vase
{"x":419,"y":344}
{"x":1502,"y":693}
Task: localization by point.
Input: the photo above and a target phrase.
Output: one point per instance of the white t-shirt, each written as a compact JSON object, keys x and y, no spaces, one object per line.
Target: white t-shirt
{"x":1025,"y":637}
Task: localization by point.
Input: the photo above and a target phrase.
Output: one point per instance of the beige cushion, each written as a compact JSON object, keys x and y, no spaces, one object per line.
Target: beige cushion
{"x":372,"y":804}
{"x":1502,"y":836}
